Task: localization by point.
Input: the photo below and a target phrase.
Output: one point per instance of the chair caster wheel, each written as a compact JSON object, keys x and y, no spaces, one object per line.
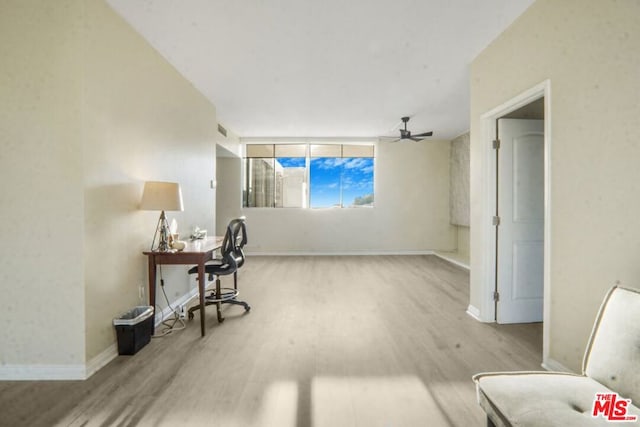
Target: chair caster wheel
{"x":190,"y":316}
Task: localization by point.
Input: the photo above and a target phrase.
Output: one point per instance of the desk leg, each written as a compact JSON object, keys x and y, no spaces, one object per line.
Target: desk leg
{"x":201,"y":294}
{"x":152,"y":286}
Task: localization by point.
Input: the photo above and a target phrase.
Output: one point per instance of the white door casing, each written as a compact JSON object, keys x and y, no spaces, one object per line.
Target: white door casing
{"x":520,"y":245}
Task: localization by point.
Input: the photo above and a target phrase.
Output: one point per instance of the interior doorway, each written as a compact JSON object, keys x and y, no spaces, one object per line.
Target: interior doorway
{"x":531,"y":104}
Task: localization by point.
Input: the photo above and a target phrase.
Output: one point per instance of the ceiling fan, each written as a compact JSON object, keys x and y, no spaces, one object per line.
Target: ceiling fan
{"x":406,"y":134}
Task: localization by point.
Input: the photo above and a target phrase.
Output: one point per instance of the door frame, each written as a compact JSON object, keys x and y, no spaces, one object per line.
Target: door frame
{"x":488,"y":123}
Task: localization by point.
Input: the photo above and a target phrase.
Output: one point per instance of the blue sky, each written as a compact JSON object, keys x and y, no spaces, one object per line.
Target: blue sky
{"x":330,"y":175}
{"x":292,"y":162}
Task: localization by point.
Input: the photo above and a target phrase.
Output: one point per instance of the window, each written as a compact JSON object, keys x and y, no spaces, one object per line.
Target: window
{"x":291,"y":176}
{"x":315,"y":175}
{"x":341,"y":176}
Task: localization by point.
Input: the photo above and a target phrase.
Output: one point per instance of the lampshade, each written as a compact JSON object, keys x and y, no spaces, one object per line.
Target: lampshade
{"x":161,"y":196}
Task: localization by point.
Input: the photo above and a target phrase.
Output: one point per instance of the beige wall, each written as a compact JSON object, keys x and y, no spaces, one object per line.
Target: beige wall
{"x":229,"y":191}
{"x":88,"y":113}
{"x":41,"y":208}
{"x":411,"y":212}
{"x":590,"y":52}
{"x":142,"y":121}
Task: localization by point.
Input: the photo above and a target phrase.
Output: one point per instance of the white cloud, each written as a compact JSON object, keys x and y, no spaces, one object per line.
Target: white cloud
{"x":355,"y":163}
{"x":368,"y":169}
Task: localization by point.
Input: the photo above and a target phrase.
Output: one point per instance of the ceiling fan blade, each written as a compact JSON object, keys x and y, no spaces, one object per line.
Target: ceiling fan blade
{"x":405,"y":134}
{"x":424,"y":134}
{"x":389,"y":138}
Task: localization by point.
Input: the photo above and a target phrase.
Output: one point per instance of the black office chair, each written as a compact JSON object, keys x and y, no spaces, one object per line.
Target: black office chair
{"x":223,"y":266}
{"x":232,"y":258}
{"x":239,"y":230}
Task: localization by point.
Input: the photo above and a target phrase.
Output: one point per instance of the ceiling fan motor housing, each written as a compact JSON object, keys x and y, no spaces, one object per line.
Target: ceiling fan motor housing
{"x":404,"y":133}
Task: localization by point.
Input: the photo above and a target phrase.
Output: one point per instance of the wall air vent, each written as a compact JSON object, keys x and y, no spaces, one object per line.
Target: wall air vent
{"x":222,"y":130}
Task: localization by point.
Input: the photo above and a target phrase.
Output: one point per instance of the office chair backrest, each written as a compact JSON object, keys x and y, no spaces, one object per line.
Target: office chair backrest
{"x":239,"y":231}
{"x":228,"y":249}
{"x":239,"y":228}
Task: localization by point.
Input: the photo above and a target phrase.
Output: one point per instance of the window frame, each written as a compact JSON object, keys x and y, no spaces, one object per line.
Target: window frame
{"x":250,"y":152}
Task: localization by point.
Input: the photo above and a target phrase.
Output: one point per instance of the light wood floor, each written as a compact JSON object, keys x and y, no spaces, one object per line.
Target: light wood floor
{"x":330,"y":341}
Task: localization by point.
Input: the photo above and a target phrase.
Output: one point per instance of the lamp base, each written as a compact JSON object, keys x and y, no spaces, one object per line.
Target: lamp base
{"x":162,"y":229}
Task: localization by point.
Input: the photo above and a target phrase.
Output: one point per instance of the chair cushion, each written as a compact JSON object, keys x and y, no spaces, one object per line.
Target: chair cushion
{"x":613,"y":354}
{"x":541,"y":399}
{"x":216,"y":267}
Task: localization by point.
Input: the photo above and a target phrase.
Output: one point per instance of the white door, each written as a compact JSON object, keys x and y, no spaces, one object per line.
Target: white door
{"x":520,"y":262}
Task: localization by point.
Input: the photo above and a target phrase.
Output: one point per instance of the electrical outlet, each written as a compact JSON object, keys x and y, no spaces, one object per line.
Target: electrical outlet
{"x":182,"y":311}
{"x":141,"y":292}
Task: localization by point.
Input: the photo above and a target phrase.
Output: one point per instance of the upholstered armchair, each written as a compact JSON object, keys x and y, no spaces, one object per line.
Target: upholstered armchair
{"x":607,"y":390}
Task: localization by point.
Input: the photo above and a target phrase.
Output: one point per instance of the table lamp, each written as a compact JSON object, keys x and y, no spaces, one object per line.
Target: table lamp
{"x":161,"y":196}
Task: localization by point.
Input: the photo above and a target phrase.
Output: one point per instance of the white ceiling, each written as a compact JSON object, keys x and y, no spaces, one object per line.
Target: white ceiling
{"x":326,"y":68}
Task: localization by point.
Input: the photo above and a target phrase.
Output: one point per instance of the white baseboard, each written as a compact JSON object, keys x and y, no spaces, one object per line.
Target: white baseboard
{"x":42,"y":372}
{"x":474,"y":312}
{"x":111,"y":352}
{"x":58,"y":372}
{"x":338,"y":253}
{"x":452,"y":260}
{"x":553,"y":365}
{"x":101,"y":360}
{"x":77,"y":372}
{"x":183,"y":300}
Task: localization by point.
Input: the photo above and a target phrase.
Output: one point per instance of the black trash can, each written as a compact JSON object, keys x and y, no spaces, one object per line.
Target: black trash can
{"x":134,"y":329}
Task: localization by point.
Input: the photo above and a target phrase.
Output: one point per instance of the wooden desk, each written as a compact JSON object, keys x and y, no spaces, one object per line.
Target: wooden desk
{"x":197,"y":252}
